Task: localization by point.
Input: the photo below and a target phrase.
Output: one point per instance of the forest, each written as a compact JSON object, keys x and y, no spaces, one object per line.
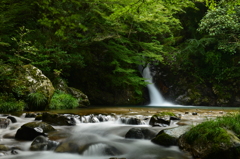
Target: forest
{"x":97,"y":46}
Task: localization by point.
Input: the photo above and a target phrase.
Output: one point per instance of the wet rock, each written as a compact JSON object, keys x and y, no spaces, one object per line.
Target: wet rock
{"x":13,"y":119}
{"x":58,"y":119}
{"x":33,"y":129}
{"x":169,"y":137}
{"x":4,"y":122}
{"x":30,"y":115}
{"x":194,"y":113}
{"x":141,"y":133}
{"x":43,"y":143}
{"x":156,"y":121}
{"x":131,"y":120}
{"x":38,"y":117}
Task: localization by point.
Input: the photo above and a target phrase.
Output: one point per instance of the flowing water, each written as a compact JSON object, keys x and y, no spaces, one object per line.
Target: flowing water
{"x":99,"y":136}
{"x":156,"y":98}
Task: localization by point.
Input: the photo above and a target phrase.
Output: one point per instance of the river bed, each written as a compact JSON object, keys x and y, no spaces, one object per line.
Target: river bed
{"x":101,"y":136}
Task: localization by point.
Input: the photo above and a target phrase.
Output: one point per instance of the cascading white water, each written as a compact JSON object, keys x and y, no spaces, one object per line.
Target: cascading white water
{"x":156,"y":98}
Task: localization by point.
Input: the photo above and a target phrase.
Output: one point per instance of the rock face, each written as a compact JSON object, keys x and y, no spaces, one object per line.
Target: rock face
{"x":33,"y":129}
{"x":187,"y":90}
{"x":212,"y":149}
{"x":30,"y":79}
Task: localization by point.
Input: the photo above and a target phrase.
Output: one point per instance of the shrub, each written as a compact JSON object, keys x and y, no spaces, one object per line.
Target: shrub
{"x":37,"y":100}
{"x":61,"y":100}
{"x":9,"y":104}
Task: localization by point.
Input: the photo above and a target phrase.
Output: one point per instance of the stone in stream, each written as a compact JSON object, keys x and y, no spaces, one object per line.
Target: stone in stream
{"x":169,"y":137}
{"x":141,"y":133}
{"x":33,"y":129}
{"x":43,"y":143}
{"x":58,"y":119}
{"x":13,"y":119}
{"x":4,"y":122}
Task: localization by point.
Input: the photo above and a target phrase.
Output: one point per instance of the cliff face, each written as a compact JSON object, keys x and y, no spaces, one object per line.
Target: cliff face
{"x":183,"y":88}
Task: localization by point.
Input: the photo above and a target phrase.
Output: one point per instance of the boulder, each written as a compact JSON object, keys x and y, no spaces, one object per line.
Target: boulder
{"x":43,"y":143}
{"x":58,"y":119}
{"x":141,"y":133}
{"x":214,"y":148}
{"x":162,"y":119}
{"x":30,"y":79}
{"x":31,"y":130}
{"x":169,"y":137}
{"x":13,"y":119}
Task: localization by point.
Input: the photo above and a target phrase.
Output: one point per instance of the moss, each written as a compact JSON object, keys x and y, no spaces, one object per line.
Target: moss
{"x":163,"y":114}
{"x":219,"y":133}
{"x":164,"y":139}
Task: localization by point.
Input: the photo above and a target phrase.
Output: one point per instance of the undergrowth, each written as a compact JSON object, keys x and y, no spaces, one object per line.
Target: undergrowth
{"x":61,"y":100}
{"x":9,"y":104}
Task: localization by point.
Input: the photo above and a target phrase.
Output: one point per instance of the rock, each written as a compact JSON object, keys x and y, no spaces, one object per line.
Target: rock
{"x":57,"y":119}
{"x":141,"y":133}
{"x":194,"y":113}
{"x":29,"y":79}
{"x":61,"y":85}
{"x":33,"y":129}
{"x":157,"y":121}
{"x":4,"y":122}
{"x":131,"y":120}
{"x":30,"y":115}
{"x":83,"y":98}
{"x":13,"y":119}
{"x":212,"y":148}
{"x":43,"y":143}
{"x":169,"y":137}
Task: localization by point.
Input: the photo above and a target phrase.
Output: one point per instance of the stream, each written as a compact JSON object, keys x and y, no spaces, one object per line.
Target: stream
{"x":106,"y":139}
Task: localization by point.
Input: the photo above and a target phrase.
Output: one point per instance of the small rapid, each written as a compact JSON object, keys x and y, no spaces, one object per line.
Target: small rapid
{"x":93,"y":137}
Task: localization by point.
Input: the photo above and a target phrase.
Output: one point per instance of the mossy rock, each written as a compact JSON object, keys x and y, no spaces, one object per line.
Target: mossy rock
{"x":31,"y":130}
{"x":29,"y":79}
{"x":164,"y":139}
{"x":224,"y":145}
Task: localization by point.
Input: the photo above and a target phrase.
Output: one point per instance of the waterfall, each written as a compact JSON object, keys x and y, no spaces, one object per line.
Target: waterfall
{"x":156,"y":99}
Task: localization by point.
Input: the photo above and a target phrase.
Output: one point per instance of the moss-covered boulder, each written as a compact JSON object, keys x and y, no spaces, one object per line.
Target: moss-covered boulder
{"x":213,"y":139}
{"x":29,"y":79}
{"x":31,"y":130}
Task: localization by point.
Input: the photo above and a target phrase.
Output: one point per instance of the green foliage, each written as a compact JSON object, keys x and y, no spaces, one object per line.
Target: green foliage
{"x":9,"y":104}
{"x":61,"y":100}
{"x":37,"y":100}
